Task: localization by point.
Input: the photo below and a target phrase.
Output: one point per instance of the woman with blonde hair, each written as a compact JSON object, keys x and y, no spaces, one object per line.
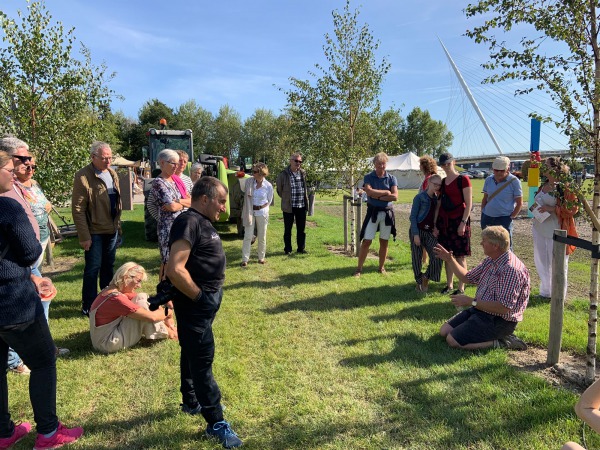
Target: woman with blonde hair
{"x":119,"y":316}
{"x":258,"y":195}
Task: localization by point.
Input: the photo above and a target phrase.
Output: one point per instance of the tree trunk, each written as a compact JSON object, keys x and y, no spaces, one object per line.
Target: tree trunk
{"x":352,"y":218}
{"x":590,"y":373}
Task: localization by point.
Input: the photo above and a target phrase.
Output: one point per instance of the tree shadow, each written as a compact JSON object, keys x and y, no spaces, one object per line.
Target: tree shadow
{"x":362,"y":297}
{"x":412,"y":349}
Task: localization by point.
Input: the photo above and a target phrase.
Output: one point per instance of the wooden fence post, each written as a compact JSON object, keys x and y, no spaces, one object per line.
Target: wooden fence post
{"x":557,"y":302}
{"x":346,"y":200}
{"x":358,"y":204}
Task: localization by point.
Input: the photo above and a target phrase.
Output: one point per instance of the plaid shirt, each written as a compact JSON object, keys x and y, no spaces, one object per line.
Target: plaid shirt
{"x":504,"y":280}
{"x":297,"y":189}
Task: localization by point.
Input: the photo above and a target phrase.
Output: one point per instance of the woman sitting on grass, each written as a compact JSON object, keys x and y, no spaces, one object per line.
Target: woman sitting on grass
{"x":119,"y":316}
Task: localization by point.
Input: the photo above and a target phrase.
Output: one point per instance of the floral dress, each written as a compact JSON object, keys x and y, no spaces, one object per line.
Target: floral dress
{"x":38,"y":201}
{"x":165,"y":192}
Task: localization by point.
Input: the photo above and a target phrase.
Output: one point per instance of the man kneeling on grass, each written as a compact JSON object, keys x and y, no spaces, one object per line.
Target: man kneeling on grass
{"x":502,"y":294}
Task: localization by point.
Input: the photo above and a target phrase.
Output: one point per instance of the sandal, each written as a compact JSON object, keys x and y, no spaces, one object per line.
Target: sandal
{"x":358,"y":273}
{"x":382,"y":270}
{"x":447,"y":290}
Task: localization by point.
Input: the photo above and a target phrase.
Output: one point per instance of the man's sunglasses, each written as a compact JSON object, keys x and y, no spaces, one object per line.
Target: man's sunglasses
{"x":23,"y":159}
{"x":299,"y":161}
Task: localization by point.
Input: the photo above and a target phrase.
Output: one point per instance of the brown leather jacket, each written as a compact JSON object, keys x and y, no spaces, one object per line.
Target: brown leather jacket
{"x":90,"y":204}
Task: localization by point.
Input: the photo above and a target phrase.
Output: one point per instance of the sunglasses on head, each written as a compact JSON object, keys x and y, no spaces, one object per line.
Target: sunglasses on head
{"x":23,"y":159}
{"x":32,"y":167}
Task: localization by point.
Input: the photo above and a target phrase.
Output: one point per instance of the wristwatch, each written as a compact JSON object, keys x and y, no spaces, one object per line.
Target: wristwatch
{"x":464,"y":221}
{"x":474,"y":303}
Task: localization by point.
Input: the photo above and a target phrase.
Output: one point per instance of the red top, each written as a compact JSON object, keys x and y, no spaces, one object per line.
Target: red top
{"x":456,"y":195}
{"x":113,"y":308}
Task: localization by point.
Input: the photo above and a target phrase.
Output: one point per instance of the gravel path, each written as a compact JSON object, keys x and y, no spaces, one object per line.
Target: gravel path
{"x":523,"y":246}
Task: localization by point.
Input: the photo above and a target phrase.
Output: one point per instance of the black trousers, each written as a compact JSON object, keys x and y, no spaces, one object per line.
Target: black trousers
{"x":194,"y":327}
{"x":33,"y":342}
{"x":299,"y":215}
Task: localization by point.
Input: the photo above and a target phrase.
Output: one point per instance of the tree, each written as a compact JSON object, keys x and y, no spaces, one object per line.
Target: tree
{"x":326,"y":114}
{"x":260,"y":135}
{"x":560,"y":56}
{"x":48,"y":97}
{"x":388,"y":132}
{"x":423,"y":135}
{"x":192,"y":116}
{"x":227,"y":133}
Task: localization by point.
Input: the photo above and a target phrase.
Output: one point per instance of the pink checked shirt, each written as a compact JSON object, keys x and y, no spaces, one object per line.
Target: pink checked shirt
{"x":504,"y":280}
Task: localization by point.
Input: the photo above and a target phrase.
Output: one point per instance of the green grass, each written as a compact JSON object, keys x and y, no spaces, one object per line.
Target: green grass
{"x":308,"y":357}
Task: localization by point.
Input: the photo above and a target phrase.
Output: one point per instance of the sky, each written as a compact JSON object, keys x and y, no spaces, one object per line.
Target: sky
{"x":239,"y":52}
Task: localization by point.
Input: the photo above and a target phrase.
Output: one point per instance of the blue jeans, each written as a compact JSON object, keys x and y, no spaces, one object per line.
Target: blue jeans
{"x":504,"y":221}
{"x":33,"y":342}
{"x":99,"y":259}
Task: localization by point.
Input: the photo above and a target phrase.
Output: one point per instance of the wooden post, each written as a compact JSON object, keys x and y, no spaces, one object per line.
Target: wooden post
{"x":346,"y":200}
{"x":49,"y":255}
{"x":557,"y":302}
{"x":359,"y":219}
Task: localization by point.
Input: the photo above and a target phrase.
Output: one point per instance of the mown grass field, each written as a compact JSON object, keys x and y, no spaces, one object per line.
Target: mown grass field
{"x":308,"y":357}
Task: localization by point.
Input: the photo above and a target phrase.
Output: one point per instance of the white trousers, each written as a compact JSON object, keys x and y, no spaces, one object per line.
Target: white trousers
{"x":542,"y":256}
{"x":261,"y":238}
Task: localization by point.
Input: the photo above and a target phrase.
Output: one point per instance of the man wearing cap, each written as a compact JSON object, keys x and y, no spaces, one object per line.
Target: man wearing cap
{"x":502,"y":197}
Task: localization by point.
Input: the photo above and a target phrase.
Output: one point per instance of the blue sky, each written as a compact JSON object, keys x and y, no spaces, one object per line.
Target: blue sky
{"x":236,"y":51}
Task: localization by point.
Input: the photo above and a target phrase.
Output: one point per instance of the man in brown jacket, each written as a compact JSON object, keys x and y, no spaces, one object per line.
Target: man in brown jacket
{"x":96,"y":209}
{"x":291,"y":187}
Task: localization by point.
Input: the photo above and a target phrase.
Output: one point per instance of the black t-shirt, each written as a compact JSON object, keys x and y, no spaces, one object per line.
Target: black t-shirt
{"x":206,"y":263}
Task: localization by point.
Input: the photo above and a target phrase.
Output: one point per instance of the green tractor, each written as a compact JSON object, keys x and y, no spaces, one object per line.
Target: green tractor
{"x":215,"y":166}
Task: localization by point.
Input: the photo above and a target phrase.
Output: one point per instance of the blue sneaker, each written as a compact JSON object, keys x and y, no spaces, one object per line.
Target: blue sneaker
{"x":191,"y":411}
{"x":223,"y":432}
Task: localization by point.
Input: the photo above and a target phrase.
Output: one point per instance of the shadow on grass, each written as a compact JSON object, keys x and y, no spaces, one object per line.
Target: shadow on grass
{"x":137,"y":433}
{"x":413,"y":350}
{"x":431,"y":312}
{"x":369,"y":297}
{"x":446,"y":397}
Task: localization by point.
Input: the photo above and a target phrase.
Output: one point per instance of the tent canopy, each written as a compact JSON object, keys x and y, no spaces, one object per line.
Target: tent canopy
{"x":406,"y":169}
{"x":120,"y":161}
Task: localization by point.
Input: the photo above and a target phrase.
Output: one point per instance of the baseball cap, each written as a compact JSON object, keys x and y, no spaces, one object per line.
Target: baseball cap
{"x":445,"y":158}
{"x":501,"y":163}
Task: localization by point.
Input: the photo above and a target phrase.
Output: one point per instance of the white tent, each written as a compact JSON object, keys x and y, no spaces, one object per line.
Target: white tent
{"x":406,"y":169}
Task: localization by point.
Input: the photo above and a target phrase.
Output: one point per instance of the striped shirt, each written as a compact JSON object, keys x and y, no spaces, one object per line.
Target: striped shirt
{"x":504,"y":280}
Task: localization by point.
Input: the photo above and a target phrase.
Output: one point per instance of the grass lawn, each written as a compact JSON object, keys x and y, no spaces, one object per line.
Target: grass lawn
{"x":308,"y":357}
